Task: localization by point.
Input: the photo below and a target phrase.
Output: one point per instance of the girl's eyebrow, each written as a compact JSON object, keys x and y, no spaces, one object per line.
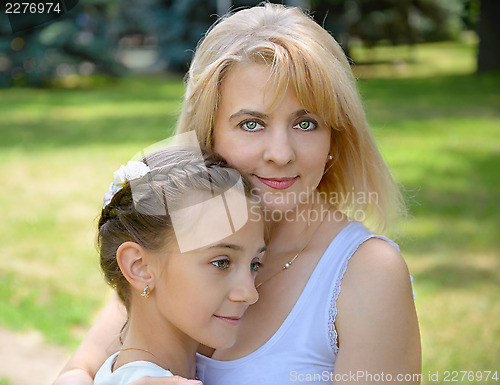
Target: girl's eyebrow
{"x":231,"y":246}
{"x":262,"y":249}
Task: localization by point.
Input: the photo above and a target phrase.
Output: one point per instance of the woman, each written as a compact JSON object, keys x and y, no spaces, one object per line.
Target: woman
{"x":272,"y":92}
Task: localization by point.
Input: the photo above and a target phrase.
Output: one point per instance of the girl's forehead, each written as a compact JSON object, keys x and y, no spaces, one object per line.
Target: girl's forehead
{"x":211,"y":219}
{"x":246,"y":240}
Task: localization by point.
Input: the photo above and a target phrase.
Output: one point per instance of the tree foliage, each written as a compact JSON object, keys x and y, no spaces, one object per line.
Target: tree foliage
{"x":489,"y":30}
{"x":393,"y":21}
{"x":78,"y":42}
{"x":86,"y":39}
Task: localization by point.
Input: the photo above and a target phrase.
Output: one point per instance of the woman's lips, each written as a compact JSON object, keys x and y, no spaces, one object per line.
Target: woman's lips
{"x":230,"y":320}
{"x":278,"y":183}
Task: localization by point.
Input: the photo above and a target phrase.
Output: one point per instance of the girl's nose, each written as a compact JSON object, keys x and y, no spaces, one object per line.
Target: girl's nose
{"x":244,"y":289}
{"x":279,"y":146}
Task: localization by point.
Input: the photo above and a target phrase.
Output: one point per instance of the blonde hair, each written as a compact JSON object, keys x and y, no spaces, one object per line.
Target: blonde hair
{"x":304,"y":56}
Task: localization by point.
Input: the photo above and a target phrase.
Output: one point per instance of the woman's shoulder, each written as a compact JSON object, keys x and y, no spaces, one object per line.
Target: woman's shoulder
{"x":376,"y":262}
{"x":376,"y":310}
{"x":377,"y":278}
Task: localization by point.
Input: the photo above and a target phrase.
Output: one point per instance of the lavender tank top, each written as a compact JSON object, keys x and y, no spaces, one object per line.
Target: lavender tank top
{"x":304,"y":348}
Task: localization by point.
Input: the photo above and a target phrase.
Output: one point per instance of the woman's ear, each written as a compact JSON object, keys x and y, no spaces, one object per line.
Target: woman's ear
{"x":133,"y":261}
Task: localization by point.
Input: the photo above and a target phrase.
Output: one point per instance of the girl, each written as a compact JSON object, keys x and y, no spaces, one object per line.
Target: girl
{"x":272,"y":92}
{"x":176,"y":292}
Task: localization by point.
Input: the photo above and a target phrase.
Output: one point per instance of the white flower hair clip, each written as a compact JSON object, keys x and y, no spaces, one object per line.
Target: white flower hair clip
{"x":133,"y":170}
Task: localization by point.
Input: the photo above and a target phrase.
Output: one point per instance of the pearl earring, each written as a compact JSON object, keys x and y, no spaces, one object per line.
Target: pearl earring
{"x":330,"y":157}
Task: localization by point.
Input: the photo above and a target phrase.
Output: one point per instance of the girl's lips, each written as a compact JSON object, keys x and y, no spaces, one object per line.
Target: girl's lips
{"x":278,"y":183}
{"x":230,"y":320}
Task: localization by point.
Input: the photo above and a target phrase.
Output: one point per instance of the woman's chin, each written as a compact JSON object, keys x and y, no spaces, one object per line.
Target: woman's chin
{"x":279,"y":211}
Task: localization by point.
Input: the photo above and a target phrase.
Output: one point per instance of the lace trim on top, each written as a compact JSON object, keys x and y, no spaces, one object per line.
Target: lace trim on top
{"x":332,"y":312}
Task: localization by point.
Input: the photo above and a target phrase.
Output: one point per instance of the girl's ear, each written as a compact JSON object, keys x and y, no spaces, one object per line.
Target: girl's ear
{"x":133,"y":261}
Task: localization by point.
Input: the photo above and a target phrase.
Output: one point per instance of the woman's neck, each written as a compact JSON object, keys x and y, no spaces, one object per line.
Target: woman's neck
{"x":288,"y":234}
{"x":150,"y":338}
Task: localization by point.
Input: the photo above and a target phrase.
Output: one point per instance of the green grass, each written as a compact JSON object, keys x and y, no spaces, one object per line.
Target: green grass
{"x":428,"y":60}
{"x":438,"y":126}
{"x":58,"y":151}
{"x":441,"y":137}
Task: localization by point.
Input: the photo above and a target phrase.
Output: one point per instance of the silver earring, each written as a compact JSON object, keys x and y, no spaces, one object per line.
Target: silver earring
{"x":146,"y":292}
{"x":330,"y":157}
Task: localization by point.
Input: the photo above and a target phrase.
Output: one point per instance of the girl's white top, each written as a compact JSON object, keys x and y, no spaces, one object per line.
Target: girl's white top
{"x":128,"y":372}
{"x":304,"y":348}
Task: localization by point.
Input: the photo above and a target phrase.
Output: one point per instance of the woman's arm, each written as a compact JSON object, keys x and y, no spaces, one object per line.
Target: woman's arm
{"x":101,"y":341}
{"x":379,"y":339}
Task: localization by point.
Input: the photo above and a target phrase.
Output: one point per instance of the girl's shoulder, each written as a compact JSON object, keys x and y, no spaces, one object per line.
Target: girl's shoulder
{"x":127,"y":373}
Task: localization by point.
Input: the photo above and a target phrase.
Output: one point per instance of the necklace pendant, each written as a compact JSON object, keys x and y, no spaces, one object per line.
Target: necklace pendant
{"x":286,"y":266}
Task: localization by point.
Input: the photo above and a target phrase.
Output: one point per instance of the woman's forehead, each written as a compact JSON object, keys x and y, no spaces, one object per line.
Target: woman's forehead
{"x":255,"y":87}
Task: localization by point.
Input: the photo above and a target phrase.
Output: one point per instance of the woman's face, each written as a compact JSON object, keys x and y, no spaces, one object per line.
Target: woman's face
{"x":281,"y":148}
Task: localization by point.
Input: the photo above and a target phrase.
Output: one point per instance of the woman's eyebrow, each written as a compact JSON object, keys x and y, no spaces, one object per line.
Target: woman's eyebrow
{"x":261,"y":115}
{"x":298,"y":113}
{"x":249,"y":112}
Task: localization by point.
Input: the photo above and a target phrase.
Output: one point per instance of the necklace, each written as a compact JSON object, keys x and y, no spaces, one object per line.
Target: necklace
{"x":145,"y":351}
{"x":141,"y":350}
{"x":287,"y":265}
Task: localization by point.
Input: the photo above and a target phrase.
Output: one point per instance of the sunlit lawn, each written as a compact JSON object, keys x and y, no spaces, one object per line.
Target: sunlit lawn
{"x":439,"y":133}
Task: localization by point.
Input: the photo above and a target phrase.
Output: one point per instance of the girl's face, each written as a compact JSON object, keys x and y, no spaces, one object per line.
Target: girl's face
{"x":281,"y":148}
{"x":204,"y":293}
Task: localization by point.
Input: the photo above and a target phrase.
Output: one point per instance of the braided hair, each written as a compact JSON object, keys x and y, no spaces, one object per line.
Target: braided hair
{"x":175,"y":172}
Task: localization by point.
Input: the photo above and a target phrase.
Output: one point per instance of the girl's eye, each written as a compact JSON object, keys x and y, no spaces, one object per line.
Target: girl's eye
{"x":255,"y":266}
{"x":251,"y":125}
{"x":306,"y":125}
{"x":221,"y":264}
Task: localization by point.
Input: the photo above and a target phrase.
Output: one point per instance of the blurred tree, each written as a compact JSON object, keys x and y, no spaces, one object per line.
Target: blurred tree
{"x":78,"y":42}
{"x":489,"y":33}
{"x":304,"y":4}
{"x":393,"y":21}
{"x":174,"y":27}
{"x":223,"y":6}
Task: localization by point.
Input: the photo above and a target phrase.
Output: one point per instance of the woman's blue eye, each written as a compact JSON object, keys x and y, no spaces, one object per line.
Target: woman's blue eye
{"x":255,"y":266}
{"x":221,"y":263}
{"x":251,"y":125}
{"x":305,"y":125}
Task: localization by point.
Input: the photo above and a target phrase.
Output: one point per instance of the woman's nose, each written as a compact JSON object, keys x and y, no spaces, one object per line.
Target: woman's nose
{"x":279,"y":147}
{"x":244,"y":290}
